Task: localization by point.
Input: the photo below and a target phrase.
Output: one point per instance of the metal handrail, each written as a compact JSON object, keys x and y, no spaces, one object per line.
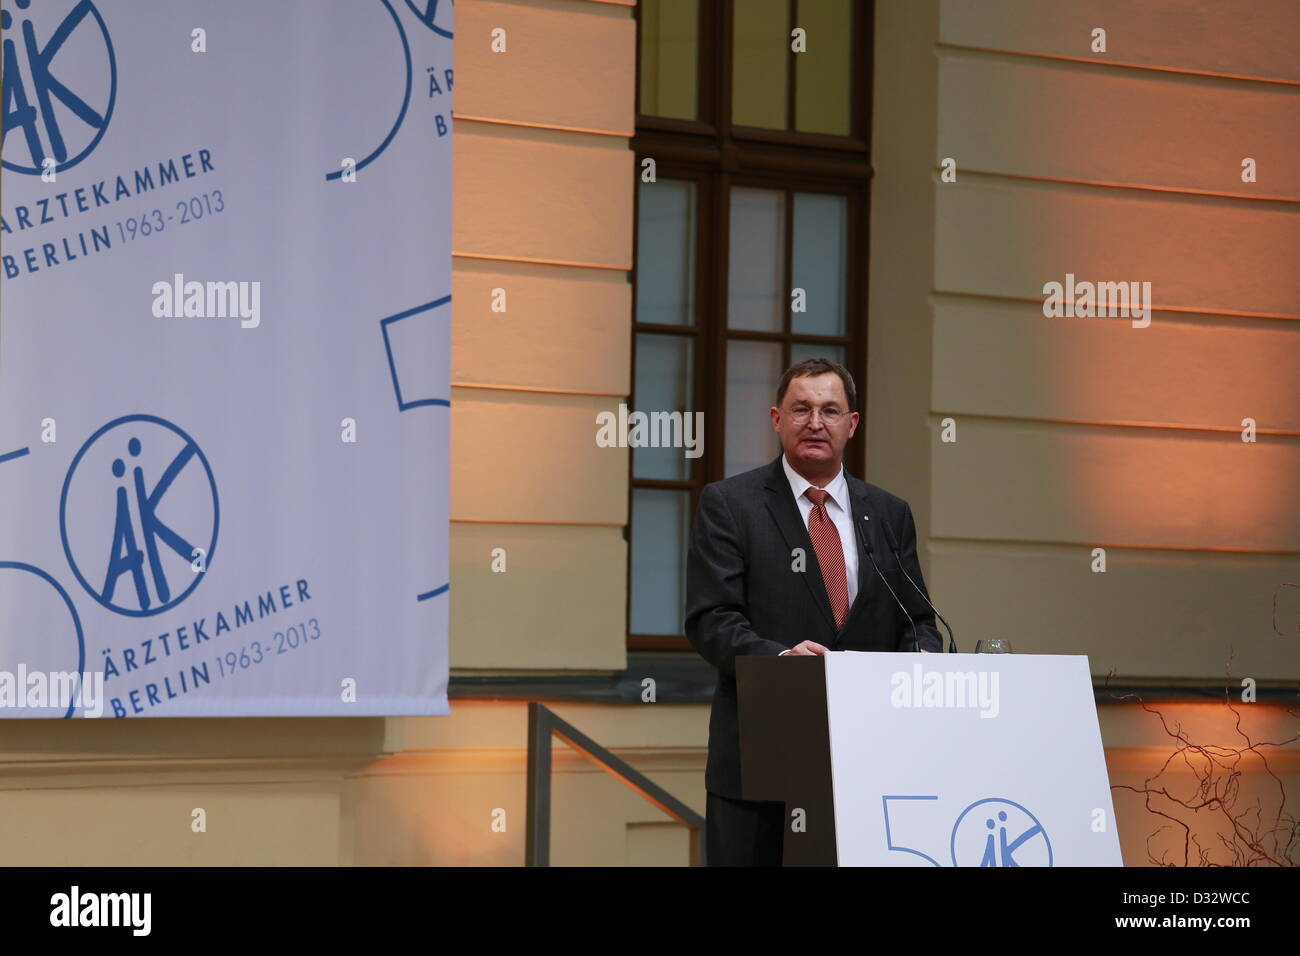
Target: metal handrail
{"x":543,"y":725}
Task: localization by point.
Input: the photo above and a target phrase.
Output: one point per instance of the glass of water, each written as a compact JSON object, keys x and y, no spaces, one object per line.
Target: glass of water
{"x":993,"y":645}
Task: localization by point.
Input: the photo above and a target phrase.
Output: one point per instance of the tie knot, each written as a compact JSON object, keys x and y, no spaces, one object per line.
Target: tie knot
{"x":817,"y":496}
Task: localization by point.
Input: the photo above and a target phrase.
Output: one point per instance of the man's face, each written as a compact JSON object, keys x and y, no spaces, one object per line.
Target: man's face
{"x":818,"y":441}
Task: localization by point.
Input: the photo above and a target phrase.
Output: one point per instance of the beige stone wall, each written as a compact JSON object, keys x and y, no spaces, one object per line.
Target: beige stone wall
{"x":542,"y":211}
{"x":1077,"y":433}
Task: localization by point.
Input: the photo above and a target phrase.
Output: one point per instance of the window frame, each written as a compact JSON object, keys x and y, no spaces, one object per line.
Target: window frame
{"x":718,"y":157}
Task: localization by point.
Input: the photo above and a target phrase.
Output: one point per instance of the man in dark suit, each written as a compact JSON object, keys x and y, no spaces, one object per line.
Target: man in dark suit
{"x":778,"y":565}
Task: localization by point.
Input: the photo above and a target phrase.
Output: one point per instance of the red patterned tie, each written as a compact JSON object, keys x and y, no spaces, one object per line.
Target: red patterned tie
{"x":830,"y":554}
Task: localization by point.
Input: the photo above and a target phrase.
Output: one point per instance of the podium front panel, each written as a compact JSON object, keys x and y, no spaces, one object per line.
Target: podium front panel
{"x":967,"y":760}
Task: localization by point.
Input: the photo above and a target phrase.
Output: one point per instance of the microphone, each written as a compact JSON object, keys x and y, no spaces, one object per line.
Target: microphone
{"x":893,"y":546}
{"x":870,"y":552}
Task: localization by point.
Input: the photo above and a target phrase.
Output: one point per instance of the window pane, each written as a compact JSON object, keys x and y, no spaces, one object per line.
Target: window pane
{"x":806,"y":350}
{"x":660,"y":524}
{"x":761,"y":47}
{"x":823,"y":74}
{"x":663,"y":384}
{"x":665,"y":253}
{"x":755,"y":299}
{"x":753,"y":371}
{"x":819,"y":262}
{"x":669,"y":57}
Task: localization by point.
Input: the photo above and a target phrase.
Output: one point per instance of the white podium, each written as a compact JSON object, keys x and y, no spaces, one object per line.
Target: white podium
{"x":888,"y":759}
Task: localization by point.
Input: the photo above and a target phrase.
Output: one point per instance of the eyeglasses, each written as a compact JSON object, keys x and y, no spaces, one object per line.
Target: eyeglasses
{"x":800,"y":415}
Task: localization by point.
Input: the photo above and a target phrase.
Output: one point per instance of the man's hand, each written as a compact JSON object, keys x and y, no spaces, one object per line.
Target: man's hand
{"x":805,"y":649}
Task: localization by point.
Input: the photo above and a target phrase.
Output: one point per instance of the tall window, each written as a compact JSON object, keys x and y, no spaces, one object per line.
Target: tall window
{"x":752,"y":212}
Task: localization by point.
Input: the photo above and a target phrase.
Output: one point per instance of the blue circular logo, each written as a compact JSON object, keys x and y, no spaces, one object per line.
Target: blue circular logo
{"x":139,"y":515}
{"x":337,"y":174}
{"x":28,"y":587}
{"x":999,"y":832}
{"x":60,"y":83}
{"x":434,"y":14}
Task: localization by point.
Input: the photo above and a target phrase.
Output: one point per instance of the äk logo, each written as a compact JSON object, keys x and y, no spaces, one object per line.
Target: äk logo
{"x":999,"y":832}
{"x":139,"y":515}
{"x":59,"y":84}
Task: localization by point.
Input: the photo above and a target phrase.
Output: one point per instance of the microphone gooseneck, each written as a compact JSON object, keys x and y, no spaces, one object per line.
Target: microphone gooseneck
{"x":870,"y":551}
{"x":893,"y":546}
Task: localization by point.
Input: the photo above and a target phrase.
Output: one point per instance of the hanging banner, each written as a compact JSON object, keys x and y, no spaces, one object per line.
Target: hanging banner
{"x":224,"y":357}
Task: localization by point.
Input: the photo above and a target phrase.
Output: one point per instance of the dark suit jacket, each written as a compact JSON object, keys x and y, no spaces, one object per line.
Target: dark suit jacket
{"x":744,"y":597}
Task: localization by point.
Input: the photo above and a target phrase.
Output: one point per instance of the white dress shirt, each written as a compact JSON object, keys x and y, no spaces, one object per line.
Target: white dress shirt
{"x":840,"y":512}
